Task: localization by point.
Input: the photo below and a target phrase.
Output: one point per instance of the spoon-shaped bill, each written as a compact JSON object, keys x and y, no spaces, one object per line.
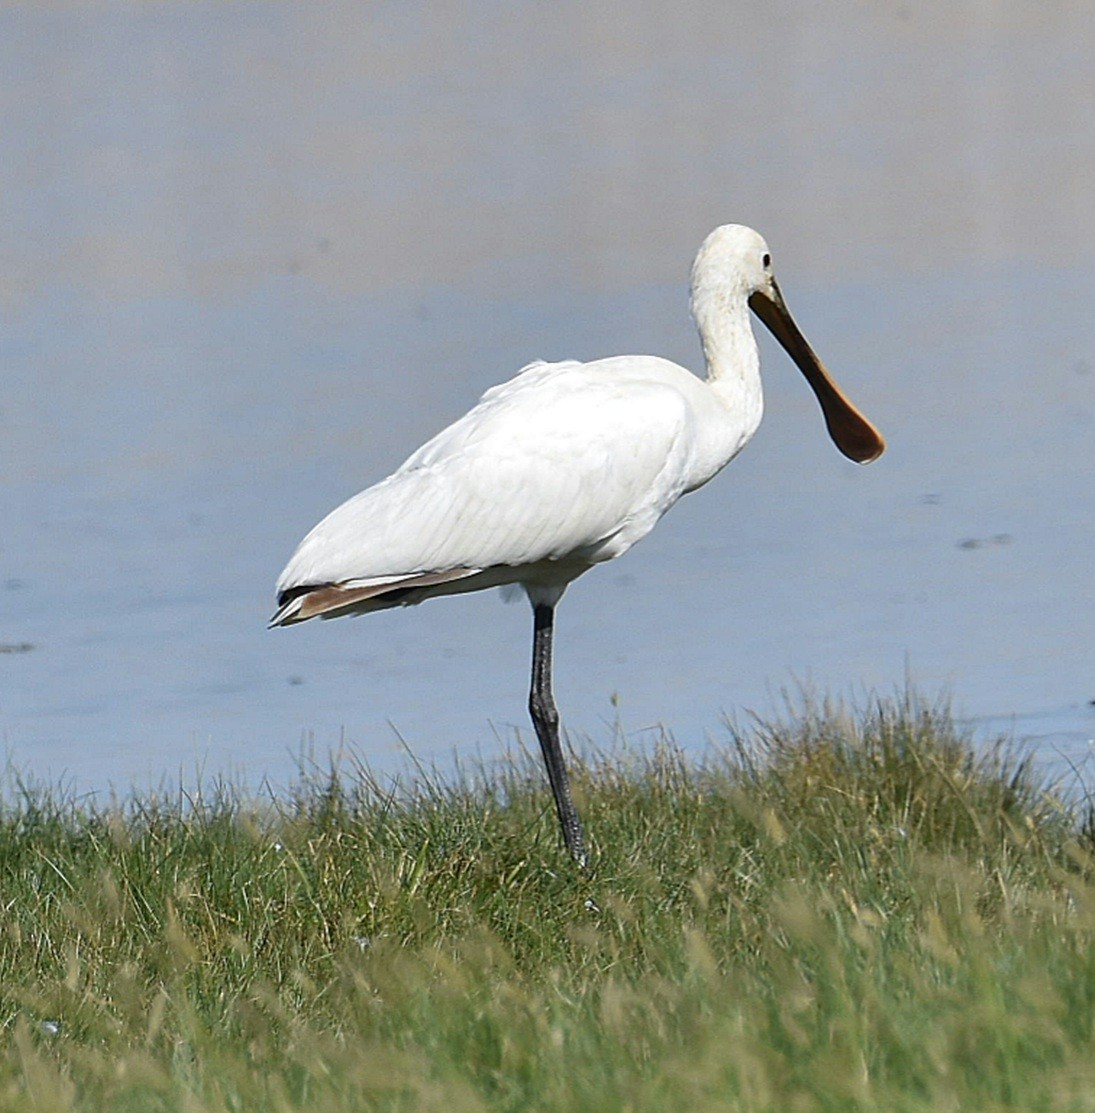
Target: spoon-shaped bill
{"x":852,"y":433}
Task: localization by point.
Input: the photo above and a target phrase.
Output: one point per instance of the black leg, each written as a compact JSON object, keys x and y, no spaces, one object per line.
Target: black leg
{"x":545,"y":718}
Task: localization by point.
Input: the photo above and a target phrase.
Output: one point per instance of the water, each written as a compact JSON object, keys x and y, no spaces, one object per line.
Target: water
{"x":255,"y":254}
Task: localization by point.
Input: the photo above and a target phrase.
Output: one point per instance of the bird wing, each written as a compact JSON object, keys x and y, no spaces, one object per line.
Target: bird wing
{"x":565,"y":461}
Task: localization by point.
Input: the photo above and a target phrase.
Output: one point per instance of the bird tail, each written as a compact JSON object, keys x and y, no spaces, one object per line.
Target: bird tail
{"x":298,"y":604}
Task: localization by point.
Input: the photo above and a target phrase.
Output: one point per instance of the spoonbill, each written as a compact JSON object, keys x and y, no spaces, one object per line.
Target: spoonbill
{"x":561,"y":468}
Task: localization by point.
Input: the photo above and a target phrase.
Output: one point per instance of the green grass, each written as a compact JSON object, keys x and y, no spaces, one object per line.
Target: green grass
{"x":836,"y":913}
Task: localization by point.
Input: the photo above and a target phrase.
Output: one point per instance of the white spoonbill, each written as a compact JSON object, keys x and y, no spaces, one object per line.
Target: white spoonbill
{"x":563,"y":467}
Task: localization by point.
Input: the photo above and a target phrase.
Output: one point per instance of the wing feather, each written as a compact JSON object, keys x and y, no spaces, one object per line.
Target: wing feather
{"x":328,"y":600}
{"x":565,"y":461}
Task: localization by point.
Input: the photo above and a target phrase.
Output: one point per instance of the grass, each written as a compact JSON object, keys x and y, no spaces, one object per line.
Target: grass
{"x":835,"y":913}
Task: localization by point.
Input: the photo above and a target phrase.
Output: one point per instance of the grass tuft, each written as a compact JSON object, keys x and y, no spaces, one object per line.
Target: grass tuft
{"x":835,"y":911}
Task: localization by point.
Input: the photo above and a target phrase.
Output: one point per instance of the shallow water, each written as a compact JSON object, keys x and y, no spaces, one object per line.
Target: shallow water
{"x":254,"y":254}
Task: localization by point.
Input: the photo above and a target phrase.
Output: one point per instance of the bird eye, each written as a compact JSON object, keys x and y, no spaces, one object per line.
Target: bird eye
{"x":767,"y":260}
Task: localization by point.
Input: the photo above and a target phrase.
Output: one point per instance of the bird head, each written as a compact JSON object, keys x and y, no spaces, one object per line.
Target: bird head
{"x":734,"y":264}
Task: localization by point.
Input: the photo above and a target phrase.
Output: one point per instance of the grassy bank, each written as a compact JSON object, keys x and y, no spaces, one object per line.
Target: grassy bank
{"x":831,"y":914}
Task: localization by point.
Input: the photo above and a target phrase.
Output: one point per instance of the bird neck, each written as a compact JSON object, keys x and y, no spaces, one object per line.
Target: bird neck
{"x":729,"y":346}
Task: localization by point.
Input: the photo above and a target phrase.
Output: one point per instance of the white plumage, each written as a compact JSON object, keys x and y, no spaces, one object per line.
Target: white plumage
{"x":563,"y":467}
{"x":566,"y":465}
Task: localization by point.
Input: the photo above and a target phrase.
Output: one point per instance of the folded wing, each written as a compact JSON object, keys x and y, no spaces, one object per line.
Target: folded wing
{"x":566,"y":462}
